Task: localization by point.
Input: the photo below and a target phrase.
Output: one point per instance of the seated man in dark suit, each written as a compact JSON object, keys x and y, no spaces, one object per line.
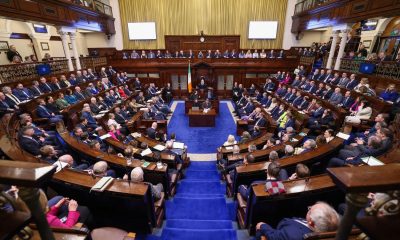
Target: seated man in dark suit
{"x":347,"y":100}
{"x":86,"y":113}
{"x":206,"y":104}
{"x":4,"y":106}
{"x":28,"y":142}
{"x":151,"y":131}
{"x":43,"y":112}
{"x":79,"y":94}
{"x":44,"y":86}
{"x":325,"y":121}
{"x":354,"y":156}
{"x":320,"y":218}
{"x":22,"y":93}
{"x":35,"y":89}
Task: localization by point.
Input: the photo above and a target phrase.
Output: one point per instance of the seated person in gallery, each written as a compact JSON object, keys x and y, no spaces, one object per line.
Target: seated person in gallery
{"x":206,"y":104}
{"x":202,"y":85}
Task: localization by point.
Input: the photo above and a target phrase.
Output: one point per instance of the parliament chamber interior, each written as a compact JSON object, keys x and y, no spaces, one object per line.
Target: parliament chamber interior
{"x":199,"y":119}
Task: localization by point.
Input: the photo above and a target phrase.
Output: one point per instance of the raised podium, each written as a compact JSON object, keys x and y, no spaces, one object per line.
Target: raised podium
{"x":201,"y":118}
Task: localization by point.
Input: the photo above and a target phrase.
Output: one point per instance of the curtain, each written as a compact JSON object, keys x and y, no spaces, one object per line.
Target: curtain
{"x":214,"y":17}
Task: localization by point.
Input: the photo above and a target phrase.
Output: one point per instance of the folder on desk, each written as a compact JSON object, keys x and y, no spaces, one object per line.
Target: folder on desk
{"x":60,"y":165}
{"x":145,"y":164}
{"x":102,"y":184}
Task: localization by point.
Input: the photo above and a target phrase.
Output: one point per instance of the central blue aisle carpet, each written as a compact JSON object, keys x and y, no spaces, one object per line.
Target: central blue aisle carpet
{"x":202,"y":139}
{"x":199,"y":210}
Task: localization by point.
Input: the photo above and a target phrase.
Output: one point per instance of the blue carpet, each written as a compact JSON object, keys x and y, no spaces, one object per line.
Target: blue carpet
{"x":202,"y":139}
{"x":199,"y":210}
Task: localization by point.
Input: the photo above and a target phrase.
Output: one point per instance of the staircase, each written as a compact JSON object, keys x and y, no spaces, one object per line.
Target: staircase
{"x":200,"y":210}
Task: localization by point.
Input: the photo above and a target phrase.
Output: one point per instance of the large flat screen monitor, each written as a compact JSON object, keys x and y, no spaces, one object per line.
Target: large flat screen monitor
{"x":142,"y":31}
{"x":263,"y":29}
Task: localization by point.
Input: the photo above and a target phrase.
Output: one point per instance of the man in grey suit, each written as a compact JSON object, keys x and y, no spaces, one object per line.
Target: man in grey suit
{"x":336,"y":97}
{"x":343,"y":80}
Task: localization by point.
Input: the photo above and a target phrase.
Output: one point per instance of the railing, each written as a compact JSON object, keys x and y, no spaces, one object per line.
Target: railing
{"x":18,"y":72}
{"x":94,"y":5}
{"x":382,"y":69}
{"x":307,"y":60}
{"x":308,"y":4}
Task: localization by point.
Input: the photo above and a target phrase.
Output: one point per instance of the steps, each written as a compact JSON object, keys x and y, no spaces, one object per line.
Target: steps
{"x":200,"y":210}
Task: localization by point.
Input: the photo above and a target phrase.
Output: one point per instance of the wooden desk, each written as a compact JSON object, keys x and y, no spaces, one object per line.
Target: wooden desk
{"x":201,"y":119}
{"x":189,"y":104}
{"x":25,"y":173}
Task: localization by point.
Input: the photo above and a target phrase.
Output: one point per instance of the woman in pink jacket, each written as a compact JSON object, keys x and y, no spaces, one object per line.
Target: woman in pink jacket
{"x":67,"y":221}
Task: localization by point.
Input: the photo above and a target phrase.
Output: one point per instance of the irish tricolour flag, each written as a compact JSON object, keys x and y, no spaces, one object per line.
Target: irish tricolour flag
{"x":189,"y":78}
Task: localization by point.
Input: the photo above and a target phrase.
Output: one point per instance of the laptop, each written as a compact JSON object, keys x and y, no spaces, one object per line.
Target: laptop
{"x":195,"y":109}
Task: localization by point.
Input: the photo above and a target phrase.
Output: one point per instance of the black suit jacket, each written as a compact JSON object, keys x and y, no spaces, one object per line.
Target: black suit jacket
{"x":151,"y":133}
{"x":30,"y":145}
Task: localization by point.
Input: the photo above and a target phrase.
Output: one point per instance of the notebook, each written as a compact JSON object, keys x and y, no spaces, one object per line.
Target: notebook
{"x":343,"y":135}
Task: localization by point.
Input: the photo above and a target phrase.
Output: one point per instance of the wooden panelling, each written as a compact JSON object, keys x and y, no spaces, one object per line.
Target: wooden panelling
{"x":57,"y":12}
{"x":343,"y":11}
{"x":176,"y":43}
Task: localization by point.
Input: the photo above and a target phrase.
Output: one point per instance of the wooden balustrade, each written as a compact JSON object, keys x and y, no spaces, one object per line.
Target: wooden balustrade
{"x":18,"y":72}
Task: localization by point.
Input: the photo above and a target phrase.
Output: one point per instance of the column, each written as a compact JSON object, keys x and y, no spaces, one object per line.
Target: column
{"x":335,"y":36}
{"x":342,"y":46}
{"x":63,"y":36}
{"x":72,"y":36}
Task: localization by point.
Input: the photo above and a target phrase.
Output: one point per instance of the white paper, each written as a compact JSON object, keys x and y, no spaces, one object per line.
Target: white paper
{"x":98,"y":116}
{"x":343,"y":135}
{"x":145,"y":152}
{"x":159,"y":147}
{"x":104,"y":111}
{"x":178,"y":145}
{"x":136,"y":134}
{"x":229,"y":148}
{"x":105,"y":136}
{"x":372,"y":161}
{"x":143,"y":109}
{"x":60,"y":165}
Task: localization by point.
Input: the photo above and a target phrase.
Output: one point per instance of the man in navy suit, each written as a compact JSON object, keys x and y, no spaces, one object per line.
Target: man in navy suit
{"x":317,"y":113}
{"x":315,"y":75}
{"x":28,"y":142}
{"x":151,"y":131}
{"x":320,"y":218}
{"x":22,"y":93}
{"x":44,"y":86}
{"x":269,"y":85}
{"x":327,"y":76}
{"x":298,"y":99}
{"x":86,"y":113}
{"x":321,"y":76}
{"x":352,"y":83}
{"x":312,"y":88}
{"x":35,"y":89}
{"x":43,"y":112}
{"x":347,"y":101}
